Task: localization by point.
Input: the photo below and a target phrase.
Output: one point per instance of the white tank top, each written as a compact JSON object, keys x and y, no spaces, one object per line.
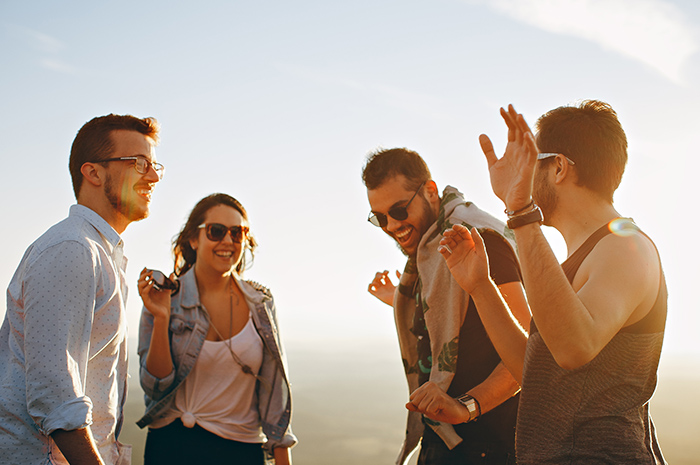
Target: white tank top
{"x":217,"y":395}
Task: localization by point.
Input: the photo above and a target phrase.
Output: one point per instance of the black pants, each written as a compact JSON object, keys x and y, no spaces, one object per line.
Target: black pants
{"x":437,"y":453}
{"x":176,"y":444}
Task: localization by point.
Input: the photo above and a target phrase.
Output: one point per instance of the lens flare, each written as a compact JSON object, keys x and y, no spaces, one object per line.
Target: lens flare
{"x":623,"y":227}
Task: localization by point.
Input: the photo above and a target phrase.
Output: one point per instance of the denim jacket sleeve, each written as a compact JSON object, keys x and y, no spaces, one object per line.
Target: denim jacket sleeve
{"x":274,"y":393}
{"x":154,"y":387}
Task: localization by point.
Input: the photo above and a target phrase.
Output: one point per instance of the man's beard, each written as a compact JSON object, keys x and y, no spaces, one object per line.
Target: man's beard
{"x":428,"y":218}
{"x":544,"y":194}
{"x":130,"y":212}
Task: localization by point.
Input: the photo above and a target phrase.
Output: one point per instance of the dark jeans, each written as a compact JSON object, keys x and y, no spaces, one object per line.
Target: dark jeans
{"x":436,"y":453}
{"x":176,"y":444}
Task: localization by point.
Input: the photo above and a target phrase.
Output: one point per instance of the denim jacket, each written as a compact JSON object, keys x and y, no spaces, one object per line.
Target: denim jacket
{"x":189,"y":325}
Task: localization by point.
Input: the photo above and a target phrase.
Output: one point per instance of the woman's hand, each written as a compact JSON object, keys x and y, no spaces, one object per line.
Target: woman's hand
{"x":156,"y":302}
{"x":382,"y":288}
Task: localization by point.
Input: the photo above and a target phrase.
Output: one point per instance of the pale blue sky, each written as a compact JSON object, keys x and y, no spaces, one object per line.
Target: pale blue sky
{"x":278,"y":103}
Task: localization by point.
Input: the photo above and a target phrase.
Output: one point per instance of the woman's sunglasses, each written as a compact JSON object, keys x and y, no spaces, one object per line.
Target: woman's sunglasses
{"x":398,"y":213}
{"x":216,"y":232}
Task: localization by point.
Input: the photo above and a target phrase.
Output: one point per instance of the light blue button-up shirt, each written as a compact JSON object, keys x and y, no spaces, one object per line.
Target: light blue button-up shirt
{"x":63,"y":355}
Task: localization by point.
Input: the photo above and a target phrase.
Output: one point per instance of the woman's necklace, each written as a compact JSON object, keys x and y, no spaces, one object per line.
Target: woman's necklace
{"x":245,"y":368}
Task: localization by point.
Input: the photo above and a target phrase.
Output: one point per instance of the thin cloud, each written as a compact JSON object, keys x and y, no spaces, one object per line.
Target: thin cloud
{"x":47,"y":47}
{"x":43,"y":42}
{"x":419,"y":103}
{"x":57,"y":65}
{"x":653,"y":32}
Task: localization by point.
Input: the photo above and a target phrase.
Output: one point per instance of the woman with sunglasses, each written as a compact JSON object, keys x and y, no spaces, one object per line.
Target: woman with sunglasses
{"x":212,"y":364}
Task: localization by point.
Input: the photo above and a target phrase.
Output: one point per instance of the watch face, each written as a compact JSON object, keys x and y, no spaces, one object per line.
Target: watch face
{"x":470,"y":403}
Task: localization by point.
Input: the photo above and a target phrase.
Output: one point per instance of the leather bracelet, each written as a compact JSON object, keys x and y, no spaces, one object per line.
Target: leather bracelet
{"x":534,"y":216}
{"x":519,"y":211}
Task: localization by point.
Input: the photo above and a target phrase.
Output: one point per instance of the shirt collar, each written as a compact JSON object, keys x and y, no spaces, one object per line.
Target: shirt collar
{"x":108,"y":232}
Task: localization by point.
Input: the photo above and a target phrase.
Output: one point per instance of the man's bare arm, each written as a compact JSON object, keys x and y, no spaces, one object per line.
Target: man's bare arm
{"x":77,"y":446}
{"x":616,"y":286}
{"x":506,"y":320}
{"x":497,"y":388}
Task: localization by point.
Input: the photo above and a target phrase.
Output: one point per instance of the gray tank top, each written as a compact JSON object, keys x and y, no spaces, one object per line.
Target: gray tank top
{"x":597,"y":413}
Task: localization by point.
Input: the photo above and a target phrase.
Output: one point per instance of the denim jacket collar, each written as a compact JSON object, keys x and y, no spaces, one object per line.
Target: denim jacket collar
{"x":190,"y":292}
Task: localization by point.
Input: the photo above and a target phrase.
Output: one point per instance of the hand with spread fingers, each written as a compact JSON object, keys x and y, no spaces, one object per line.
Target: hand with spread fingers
{"x":465,"y":255}
{"x":382,"y":288}
{"x":437,"y":405}
{"x":512,"y":175}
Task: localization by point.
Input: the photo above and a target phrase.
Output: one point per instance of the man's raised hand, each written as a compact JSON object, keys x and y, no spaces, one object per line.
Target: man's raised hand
{"x":382,"y":288}
{"x":512,"y":175}
{"x":465,"y":255}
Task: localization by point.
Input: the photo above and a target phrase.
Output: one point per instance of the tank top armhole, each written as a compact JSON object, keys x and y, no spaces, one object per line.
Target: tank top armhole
{"x":655,"y":320}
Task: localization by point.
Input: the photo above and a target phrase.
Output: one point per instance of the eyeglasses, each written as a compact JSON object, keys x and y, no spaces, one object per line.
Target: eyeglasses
{"x":216,"y":232}
{"x":398,"y":213}
{"x":543,"y":156}
{"x":142,"y":165}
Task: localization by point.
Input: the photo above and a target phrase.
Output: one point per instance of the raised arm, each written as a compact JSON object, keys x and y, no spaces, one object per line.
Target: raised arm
{"x":616,"y":285}
{"x":465,"y":255}
{"x":157,"y":303}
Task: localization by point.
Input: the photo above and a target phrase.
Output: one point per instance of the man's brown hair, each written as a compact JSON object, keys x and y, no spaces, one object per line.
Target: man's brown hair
{"x":591,"y":135}
{"x":384,"y":164}
{"x":93,"y":142}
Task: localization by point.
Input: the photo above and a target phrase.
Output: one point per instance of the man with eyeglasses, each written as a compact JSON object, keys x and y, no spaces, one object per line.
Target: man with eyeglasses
{"x":443,"y":344}
{"x":63,"y":357}
{"x":588,"y":365}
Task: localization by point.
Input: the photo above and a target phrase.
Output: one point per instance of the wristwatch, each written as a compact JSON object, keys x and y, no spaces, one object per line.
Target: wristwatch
{"x":533,"y":216}
{"x":472,"y":406}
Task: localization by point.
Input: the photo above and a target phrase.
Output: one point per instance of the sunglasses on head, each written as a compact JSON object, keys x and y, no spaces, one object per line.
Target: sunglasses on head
{"x":216,"y":232}
{"x":398,"y":213}
{"x":544,"y":156}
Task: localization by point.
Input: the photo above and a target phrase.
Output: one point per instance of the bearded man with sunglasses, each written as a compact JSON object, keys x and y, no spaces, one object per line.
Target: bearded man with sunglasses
{"x":63,"y":357}
{"x":443,"y":343}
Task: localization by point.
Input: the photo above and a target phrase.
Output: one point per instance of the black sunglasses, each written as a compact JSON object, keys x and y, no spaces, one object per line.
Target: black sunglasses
{"x":398,"y":213}
{"x":216,"y":232}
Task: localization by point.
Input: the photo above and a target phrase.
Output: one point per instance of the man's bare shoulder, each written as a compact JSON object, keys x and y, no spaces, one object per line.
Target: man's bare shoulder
{"x":624,"y":268}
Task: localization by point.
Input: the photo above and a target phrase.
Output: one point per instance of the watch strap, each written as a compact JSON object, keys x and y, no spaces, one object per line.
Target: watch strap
{"x":533,"y":216}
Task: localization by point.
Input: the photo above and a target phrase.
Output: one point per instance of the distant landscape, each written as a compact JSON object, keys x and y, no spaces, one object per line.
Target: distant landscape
{"x":348,"y":407}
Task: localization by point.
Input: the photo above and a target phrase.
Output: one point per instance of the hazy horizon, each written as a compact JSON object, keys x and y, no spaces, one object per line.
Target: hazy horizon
{"x":348,"y":406}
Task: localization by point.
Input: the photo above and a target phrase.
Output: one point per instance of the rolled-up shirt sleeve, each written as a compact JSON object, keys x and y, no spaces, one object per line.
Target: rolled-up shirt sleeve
{"x":60,"y":294}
